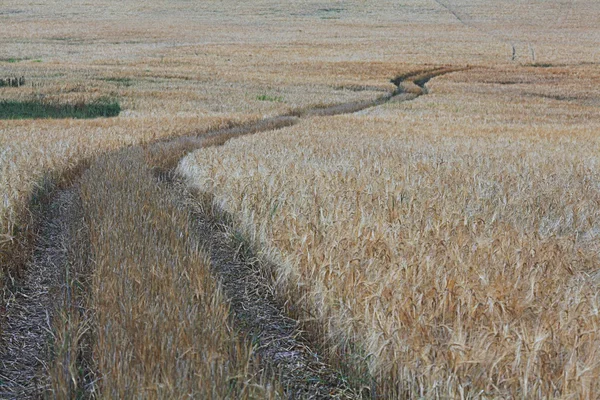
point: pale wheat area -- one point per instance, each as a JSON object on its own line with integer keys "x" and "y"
{"x": 151, "y": 110}
{"x": 448, "y": 245}
{"x": 452, "y": 240}
{"x": 175, "y": 67}
{"x": 170, "y": 80}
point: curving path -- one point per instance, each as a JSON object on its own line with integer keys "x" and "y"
{"x": 283, "y": 348}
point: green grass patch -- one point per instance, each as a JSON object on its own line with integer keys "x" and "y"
{"x": 14, "y": 60}
{"x": 119, "y": 81}
{"x": 542, "y": 65}
{"x": 330, "y": 12}
{"x": 266, "y": 97}
{"x": 35, "y": 109}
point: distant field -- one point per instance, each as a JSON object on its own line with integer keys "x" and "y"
{"x": 218, "y": 59}
{"x": 446, "y": 244}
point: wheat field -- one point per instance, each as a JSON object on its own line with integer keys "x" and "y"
{"x": 452, "y": 240}
{"x": 444, "y": 247}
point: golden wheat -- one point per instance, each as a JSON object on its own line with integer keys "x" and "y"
{"x": 160, "y": 326}
{"x": 453, "y": 239}
{"x": 423, "y": 232}
{"x": 159, "y": 66}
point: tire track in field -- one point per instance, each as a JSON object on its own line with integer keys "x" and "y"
{"x": 284, "y": 350}
{"x": 26, "y": 353}
{"x": 282, "y": 346}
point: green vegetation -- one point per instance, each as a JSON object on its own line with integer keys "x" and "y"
{"x": 13, "y": 60}
{"x": 35, "y": 109}
{"x": 266, "y": 97}
{"x": 119, "y": 81}
{"x": 542, "y": 65}
{"x": 330, "y": 12}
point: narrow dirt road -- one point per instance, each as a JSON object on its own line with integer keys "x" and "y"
{"x": 280, "y": 343}
{"x": 282, "y": 347}
{"x": 28, "y": 331}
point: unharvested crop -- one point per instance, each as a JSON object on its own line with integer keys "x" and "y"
{"x": 31, "y": 150}
{"x": 451, "y": 242}
{"x": 448, "y": 243}
{"x": 160, "y": 326}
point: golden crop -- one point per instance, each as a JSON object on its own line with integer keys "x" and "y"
{"x": 451, "y": 240}
{"x": 160, "y": 326}
{"x": 448, "y": 243}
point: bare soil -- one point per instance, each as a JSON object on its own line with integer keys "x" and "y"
{"x": 28, "y": 331}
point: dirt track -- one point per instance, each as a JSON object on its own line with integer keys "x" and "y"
{"x": 35, "y": 300}
{"x": 281, "y": 345}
